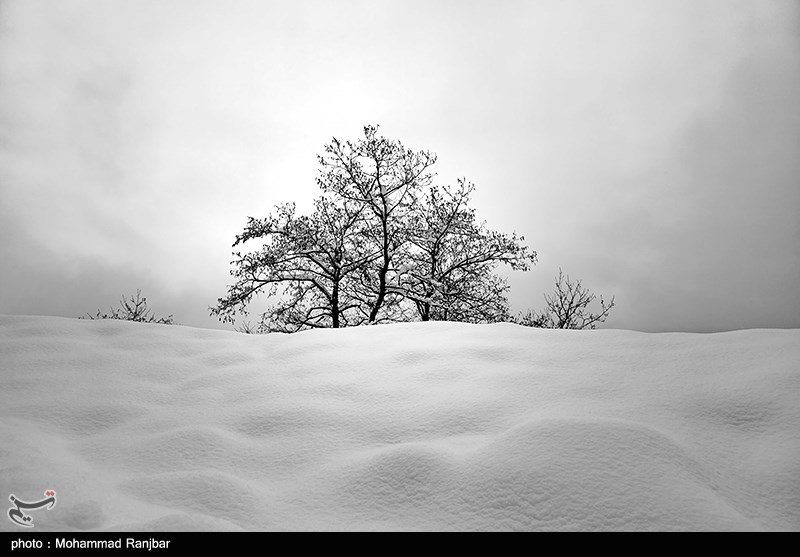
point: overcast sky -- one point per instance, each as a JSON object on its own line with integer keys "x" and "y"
{"x": 651, "y": 149}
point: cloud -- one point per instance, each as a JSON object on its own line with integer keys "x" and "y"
{"x": 649, "y": 151}
{"x": 713, "y": 237}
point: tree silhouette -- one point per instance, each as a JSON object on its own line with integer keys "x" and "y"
{"x": 385, "y": 179}
{"x": 449, "y": 273}
{"x": 311, "y": 262}
{"x": 382, "y": 245}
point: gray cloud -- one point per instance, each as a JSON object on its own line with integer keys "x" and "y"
{"x": 716, "y": 228}
{"x": 650, "y": 150}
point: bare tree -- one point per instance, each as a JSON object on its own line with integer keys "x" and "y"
{"x": 567, "y": 308}
{"x": 132, "y": 309}
{"x": 312, "y": 263}
{"x": 449, "y": 272}
{"x": 382, "y": 245}
{"x": 385, "y": 178}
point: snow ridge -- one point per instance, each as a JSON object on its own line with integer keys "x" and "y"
{"x": 422, "y": 426}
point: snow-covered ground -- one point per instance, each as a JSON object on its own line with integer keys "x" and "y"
{"x": 412, "y": 426}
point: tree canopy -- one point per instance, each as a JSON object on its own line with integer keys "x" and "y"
{"x": 384, "y": 244}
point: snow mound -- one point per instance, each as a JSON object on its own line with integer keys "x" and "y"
{"x": 413, "y": 426}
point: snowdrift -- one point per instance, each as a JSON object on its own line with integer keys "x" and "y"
{"x": 414, "y": 426}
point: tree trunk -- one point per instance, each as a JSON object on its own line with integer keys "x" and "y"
{"x": 335, "y": 302}
{"x": 426, "y": 314}
{"x": 381, "y": 275}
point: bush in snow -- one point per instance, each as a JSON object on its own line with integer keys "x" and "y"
{"x": 132, "y": 309}
{"x": 568, "y": 308}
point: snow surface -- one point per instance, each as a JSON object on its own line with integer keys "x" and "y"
{"x": 412, "y": 426}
